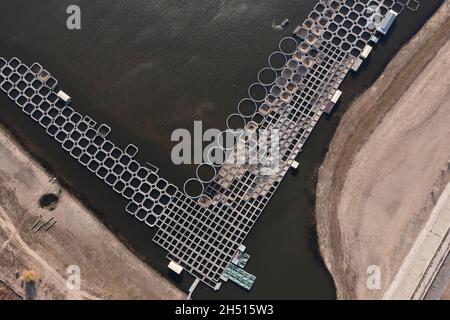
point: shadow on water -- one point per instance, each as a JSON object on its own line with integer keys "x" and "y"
{"x": 149, "y": 67}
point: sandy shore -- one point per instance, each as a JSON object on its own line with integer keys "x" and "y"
{"x": 387, "y": 164}
{"x": 108, "y": 269}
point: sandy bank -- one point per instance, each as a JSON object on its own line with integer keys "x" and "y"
{"x": 108, "y": 269}
{"x": 387, "y": 164}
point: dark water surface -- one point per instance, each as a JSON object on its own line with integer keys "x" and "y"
{"x": 147, "y": 68}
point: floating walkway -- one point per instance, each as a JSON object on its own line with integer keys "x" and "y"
{"x": 239, "y": 276}
{"x": 204, "y": 232}
{"x": 235, "y": 271}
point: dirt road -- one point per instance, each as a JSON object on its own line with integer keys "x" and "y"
{"x": 387, "y": 164}
{"x": 108, "y": 269}
{"x": 51, "y": 275}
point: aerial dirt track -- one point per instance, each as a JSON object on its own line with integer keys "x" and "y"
{"x": 387, "y": 164}
{"x": 108, "y": 269}
{"x": 14, "y": 239}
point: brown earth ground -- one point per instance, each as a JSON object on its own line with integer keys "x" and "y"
{"x": 387, "y": 164}
{"x": 6, "y": 293}
{"x": 446, "y": 295}
{"x": 108, "y": 269}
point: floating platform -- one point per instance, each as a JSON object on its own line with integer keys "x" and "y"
{"x": 357, "y": 64}
{"x": 239, "y": 276}
{"x": 241, "y": 259}
{"x": 387, "y": 22}
{"x": 366, "y": 52}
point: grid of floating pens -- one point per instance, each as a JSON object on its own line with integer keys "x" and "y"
{"x": 300, "y": 114}
{"x": 33, "y": 90}
{"x": 204, "y": 239}
{"x": 335, "y": 60}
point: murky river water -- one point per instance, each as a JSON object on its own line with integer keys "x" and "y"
{"x": 148, "y": 67}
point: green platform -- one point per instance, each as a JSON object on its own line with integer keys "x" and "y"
{"x": 239, "y": 276}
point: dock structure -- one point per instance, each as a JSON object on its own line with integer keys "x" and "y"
{"x": 387, "y": 22}
{"x": 203, "y": 232}
{"x": 239, "y": 276}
